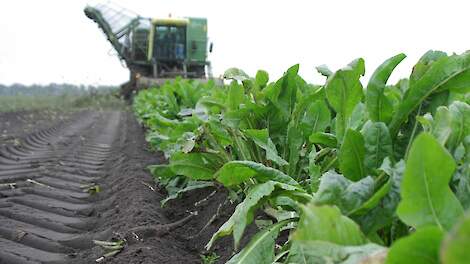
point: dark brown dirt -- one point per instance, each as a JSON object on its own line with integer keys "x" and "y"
{"x": 138, "y": 205}
{"x": 55, "y": 222}
{"x": 15, "y": 125}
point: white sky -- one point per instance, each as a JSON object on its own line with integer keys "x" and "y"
{"x": 52, "y": 41}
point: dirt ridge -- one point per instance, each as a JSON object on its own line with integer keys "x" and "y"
{"x": 46, "y": 215}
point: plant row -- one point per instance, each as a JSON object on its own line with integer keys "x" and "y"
{"x": 348, "y": 172}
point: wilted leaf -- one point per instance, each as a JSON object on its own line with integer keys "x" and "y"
{"x": 324, "y": 70}
{"x": 189, "y": 187}
{"x": 236, "y": 74}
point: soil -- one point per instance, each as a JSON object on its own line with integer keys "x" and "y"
{"x": 47, "y": 215}
{"x": 15, "y": 125}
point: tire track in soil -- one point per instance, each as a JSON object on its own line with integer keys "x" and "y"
{"x": 46, "y": 216}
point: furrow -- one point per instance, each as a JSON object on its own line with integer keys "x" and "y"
{"x": 48, "y": 208}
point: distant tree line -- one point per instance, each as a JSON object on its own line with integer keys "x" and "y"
{"x": 53, "y": 89}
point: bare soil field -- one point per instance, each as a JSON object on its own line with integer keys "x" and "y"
{"x": 49, "y": 213}
{"x": 14, "y": 125}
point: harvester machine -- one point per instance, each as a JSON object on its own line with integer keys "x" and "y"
{"x": 154, "y": 49}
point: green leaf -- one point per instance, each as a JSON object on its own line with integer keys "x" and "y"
{"x": 460, "y": 80}
{"x": 325, "y": 139}
{"x": 316, "y": 119}
{"x": 378, "y": 144}
{"x": 235, "y": 118}
{"x": 262, "y": 78}
{"x": 351, "y": 156}
{"x": 309, "y": 95}
{"x": 236, "y": 172}
{"x": 335, "y": 189}
{"x": 426, "y": 196}
{"x": 282, "y": 98}
{"x": 204, "y": 106}
{"x": 220, "y": 134}
{"x": 379, "y": 107}
{"x": 197, "y": 166}
{"x": 455, "y": 248}
{"x": 322, "y": 252}
{"x": 260, "y": 250}
{"x": 384, "y": 212}
{"x": 161, "y": 171}
{"x": 425, "y": 62}
{"x": 236, "y": 96}
{"x": 358, "y": 117}
{"x": 421, "y": 247}
{"x": 426, "y": 121}
{"x": 209, "y": 102}
{"x": 435, "y": 100}
{"x": 435, "y": 79}
{"x": 331, "y": 189}
{"x": 261, "y": 138}
{"x": 295, "y": 142}
{"x": 156, "y": 119}
{"x": 314, "y": 171}
{"x": 358, "y": 66}
{"x": 441, "y": 127}
{"x": 277, "y": 123}
{"x": 459, "y": 84}
{"x": 326, "y": 223}
{"x": 236, "y": 74}
{"x": 344, "y": 92}
{"x": 462, "y": 178}
{"x": 288, "y": 90}
{"x": 460, "y": 123}
{"x": 374, "y": 200}
{"x": 244, "y": 212}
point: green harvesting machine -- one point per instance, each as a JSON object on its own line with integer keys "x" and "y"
{"x": 154, "y": 49}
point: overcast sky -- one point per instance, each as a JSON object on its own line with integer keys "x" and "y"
{"x": 52, "y": 41}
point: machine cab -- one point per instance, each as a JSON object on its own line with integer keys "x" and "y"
{"x": 178, "y": 46}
